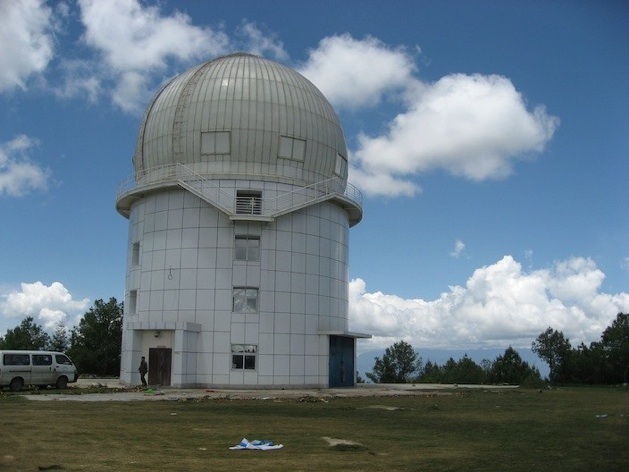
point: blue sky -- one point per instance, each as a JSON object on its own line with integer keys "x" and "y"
{"x": 490, "y": 140}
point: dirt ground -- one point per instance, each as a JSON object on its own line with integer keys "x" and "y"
{"x": 167, "y": 393}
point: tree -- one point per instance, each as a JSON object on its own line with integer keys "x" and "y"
{"x": 95, "y": 344}
{"x": 615, "y": 344}
{"x": 465, "y": 370}
{"x": 509, "y": 368}
{"x": 589, "y": 365}
{"x": 554, "y": 348}
{"x": 431, "y": 373}
{"x": 27, "y": 335}
{"x": 398, "y": 365}
{"x": 59, "y": 340}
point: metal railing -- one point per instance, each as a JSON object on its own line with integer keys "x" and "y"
{"x": 205, "y": 187}
{"x": 147, "y": 177}
{"x": 248, "y": 205}
{"x": 211, "y": 190}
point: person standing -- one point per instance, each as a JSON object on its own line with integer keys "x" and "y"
{"x": 144, "y": 368}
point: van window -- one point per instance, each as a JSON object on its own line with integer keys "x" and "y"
{"x": 42, "y": 359}
{"x": 17, "y": 359}
{"x": 61, "y": 359}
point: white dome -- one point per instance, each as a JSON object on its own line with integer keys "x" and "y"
{"x": 242, "y": 116}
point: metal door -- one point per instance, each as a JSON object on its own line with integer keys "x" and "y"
{"x": 159, "y": 366}
{"x": 341, "y": 362}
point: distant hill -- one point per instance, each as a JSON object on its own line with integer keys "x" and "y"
{"x": 366, "y": 360}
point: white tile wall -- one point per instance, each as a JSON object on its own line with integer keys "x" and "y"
{"x": 302, "y": 278}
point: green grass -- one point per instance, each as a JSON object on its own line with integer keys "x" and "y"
{"x": 517, "y": 430}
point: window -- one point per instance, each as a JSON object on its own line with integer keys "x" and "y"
{"x": 245, "y": 300}
{"x": 247, "y": 248}
{"x": 135, "y": 254}
{"x": 215, "y": 142}
{"x": 17, "y": 359}
{"x": 248, "y": 202}
{"x": 42, "y": 359}
{"x": 244, "y": 356}
{"x": 341, "y": 166}
{"x": 63, "y": 360}
{"x": 133, "y": 302}
{"x": 292, "y": 148}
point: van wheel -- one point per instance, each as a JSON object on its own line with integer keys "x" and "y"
{"x": 16, "y": 384}
{"x": 62, "y": 383}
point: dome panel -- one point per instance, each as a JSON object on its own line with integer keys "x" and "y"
{"x": 255, "y": 101}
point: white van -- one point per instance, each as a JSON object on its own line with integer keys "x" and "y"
{"x": 42, "y": 368}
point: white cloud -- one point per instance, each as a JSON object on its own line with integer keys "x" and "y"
{"x": 474, "y": 127}
{"x": 459, "y": 247}
{"x": 46, "y": 304}
{"x": 355, "y": 73}
{"x": 381, "y": 184}
{"x": 139, "y": 46}
{"x": 18, "y": 174}
{"x": 79, "y": 80}
{"x": 136, "y": 43}
{"x": 259, "y": 43}
{"x": 500, "y": 305}
{"x": 26, "y": 35}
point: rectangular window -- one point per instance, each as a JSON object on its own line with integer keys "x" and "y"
{"x": 215, "y": 142}
{"x": 17, "y": 359}
{"x": 245, "y": 300}
{"x": 135, "y": 254}
{"x": 244, "y": 356}
{"x": 248, "y": 202}
{"x": 247, "y": 248}
{"x": 292, "y": 148}
{"x": 42, "y": 359}
{"x": 133, "y": 302}
{"x": 341, "y": 166}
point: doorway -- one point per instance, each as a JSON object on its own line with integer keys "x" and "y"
{"x": 159, "y": 366}
{"x": 341, "y": 362}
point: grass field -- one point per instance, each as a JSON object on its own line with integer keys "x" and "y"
{"x": 566, "y": 429}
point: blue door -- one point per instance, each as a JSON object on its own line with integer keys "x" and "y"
{"x": 341, "y": 361}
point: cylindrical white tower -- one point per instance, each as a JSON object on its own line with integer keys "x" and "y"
{"x": 239, "y": 214}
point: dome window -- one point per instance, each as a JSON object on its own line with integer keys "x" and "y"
{"x": 292, "y": 148}
{"x": 215, "y": 142}
{"x": 340, "y": 168}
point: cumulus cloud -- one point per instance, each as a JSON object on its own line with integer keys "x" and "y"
{"x": 139, "y": 46}
{"x": 48, "y": 305}
{"x": 136, "y": 43}
{"x": 19, "y": 175}
{"x": 472, "y": 126}
{"x": 26, "y": 35}
{"x": 500, "y": 305}
{"x": 355, "y": 73}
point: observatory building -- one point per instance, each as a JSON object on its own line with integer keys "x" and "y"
{"x": 239, "y": 214}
